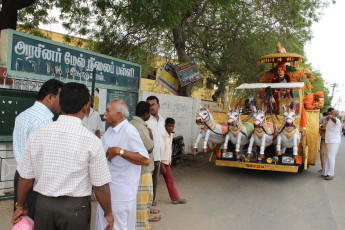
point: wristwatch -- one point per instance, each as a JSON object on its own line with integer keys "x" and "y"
{"x": 121, "y": 152}
{"x": 19, "y": 207}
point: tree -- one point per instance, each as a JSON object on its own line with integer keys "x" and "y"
{"x": 226, "y": 36}
{"x": 9, "y": 12}
{"x": 231, "y": 39}
{"x": 172, "y": 19}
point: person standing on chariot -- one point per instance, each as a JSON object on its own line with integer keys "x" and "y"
{"x": 281, "y": 76}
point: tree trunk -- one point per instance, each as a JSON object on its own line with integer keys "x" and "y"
{"x": 179, "y": 43}
{"x": 220, "y": 92}
{"x": 9, "y": 12}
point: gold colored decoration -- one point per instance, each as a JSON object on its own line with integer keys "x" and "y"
{"x": 237, "y": 131}
{"x": 313, "y": 135}
{"x": 270, "y": 167}
{"x": 258, "y": 133}
{"x": 221, "y": 116}
{"x": 280, "y": 57}
{"x": 289, "y": 133}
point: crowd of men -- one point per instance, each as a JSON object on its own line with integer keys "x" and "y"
{"x": 60, "y": 163}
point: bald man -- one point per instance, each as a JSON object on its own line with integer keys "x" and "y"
{"x": 126, "y": 153}
{"x": 332, "y": 140}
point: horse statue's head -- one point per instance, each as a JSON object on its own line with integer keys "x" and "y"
{"x": 259, "y": 117}
{"x": 204, "y": 114}
{"x": 233, "y": 116}
{"x": 289, "y": 117}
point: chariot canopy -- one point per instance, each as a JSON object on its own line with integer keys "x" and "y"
{"x": 281, "y": 56}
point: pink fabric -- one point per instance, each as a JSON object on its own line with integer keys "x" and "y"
{"x": 25, "y": 223}
{"x": 169, "y": 181}
{"x": 270, "y": 125}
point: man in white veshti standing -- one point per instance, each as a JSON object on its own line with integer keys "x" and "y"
{"x": 126, "y": 153}
{"x": 332, "y": 140}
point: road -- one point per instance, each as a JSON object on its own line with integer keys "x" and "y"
{"x": 230, "y": 198}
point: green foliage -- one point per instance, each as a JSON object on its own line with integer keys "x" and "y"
{"x": 224, "y": 36}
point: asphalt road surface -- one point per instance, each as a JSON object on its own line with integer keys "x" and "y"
{"x": 230, "y": 198}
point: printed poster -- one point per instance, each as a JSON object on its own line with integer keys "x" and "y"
{"x": 188, "y": 73}
{"x": 168, "y": 78}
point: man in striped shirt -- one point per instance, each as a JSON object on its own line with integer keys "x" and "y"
{"x": 67, "y": 161}
{"x": 27, "y": 122}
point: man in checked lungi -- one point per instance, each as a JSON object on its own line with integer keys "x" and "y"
{"x": 145, "y": 189}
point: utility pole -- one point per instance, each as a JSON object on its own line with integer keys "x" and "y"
{"x": 338, "y": 102}
{"x": 335, "y": 85}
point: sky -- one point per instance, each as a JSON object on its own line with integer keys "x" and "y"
{"x": 326, "y": 50}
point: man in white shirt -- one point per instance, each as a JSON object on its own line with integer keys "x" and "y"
{"x": 66, "y": 160}
{"x": 92, "y": 121}
{"x": 323, "y": 123}
{"x": 126, "y": 153}
{"x": 157, "y": 125}
{"x": 332, "y": 140}
{"x": 166, "y": 163}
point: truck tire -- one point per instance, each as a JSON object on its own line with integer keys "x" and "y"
{"x": 301, "y": 168}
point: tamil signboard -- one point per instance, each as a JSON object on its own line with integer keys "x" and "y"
{"x": 32, "y": 57}
{"x": 27, "y": 61}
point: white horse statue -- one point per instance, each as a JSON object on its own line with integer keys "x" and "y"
{"x": 214, "y": 132}
{"x": 289, "y": 136}
{"x": 239, "y": 133}
{"x": 263, "y": 133}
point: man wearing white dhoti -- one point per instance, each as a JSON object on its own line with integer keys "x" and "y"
{"x": 126, "y": 153}
{"x": 332, "y": 140}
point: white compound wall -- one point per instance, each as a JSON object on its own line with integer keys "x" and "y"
{"x": 184, "y": 111}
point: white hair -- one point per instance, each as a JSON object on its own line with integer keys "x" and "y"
{"x": 122, "y": 107}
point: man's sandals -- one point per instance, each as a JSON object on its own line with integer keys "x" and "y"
{"x": 179, "y": 201}
{"x": 154, "y": 211}
{"x": 154, "y": 218}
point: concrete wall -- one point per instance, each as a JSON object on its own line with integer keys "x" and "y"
{"x": 183, "y": 110}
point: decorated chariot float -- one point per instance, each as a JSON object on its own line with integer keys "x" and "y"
{"x": 265, "y": 125}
